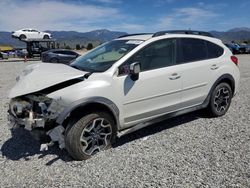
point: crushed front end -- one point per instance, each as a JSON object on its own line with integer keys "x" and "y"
{"x": 37, "y": 113}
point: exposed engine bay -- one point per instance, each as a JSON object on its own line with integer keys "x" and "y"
{"x": 37, "y": 113}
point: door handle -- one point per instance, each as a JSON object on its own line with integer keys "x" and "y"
{"x": 174, "y": 76}
{"x": 214, "y": 67}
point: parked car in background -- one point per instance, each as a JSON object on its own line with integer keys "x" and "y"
{"x": 248, "y": 49}
{"x": 242, "y": 49}
{"x": 59, "y": 56}
{"x": 21, "y": 53}
{"x": 3, "y": 55}
{"x": 235, "y": 48}
{"x": 30, "y": 34}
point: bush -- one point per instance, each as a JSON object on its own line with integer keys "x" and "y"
{"x": 89, "y": 46}
{"x": 67, "y": 47}
{"x": 78, "y": 47}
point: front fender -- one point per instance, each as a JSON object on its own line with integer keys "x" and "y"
{"x": 83, "y": 102}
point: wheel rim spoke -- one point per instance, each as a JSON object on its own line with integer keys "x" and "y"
{"x": 96, "y": 136}
{"x": 221, "y": 100}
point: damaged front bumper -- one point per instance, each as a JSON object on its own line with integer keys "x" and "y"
{"x": 37, "y": 113}
{"x": 28, "y": 123}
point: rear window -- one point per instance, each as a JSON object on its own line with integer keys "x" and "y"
{"x": 214, "y": 50}
{"x": 191, "y": 49}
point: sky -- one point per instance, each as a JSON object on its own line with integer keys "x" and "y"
{"x": 131, "y": 16}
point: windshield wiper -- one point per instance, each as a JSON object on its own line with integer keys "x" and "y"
{"x": 79, "y": 68}
{"x": 76, "y": 67}
{"x": 87, "y": 75}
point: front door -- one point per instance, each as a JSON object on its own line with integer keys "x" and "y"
{"x": 158, "y": 89}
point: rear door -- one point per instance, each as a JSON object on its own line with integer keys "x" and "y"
{"x": 198, "y": 64}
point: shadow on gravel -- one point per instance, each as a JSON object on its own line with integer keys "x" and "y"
{"x": 158, "y": 127}
{"x": 23, "y": 146}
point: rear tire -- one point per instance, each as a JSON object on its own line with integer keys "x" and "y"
{"x": 90, "y": 134}
{"x": 21, "y": 37}
{"x": 220, "y": 100}
{"x": 54, "y": 60}
{"x": 46, "y": 37}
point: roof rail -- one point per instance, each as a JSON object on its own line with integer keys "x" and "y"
{"x": 128, "y": 35}
{"x": 191, "y": 32}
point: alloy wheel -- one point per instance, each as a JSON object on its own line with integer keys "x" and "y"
{"x": 221, "y": 100}
{"x": 96, "y": 136}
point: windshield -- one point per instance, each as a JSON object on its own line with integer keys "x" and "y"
{"x": 103, "y": 57}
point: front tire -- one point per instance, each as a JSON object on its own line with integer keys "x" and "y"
{"x": 220, "y": 100}
{"x": 92, "y": 133}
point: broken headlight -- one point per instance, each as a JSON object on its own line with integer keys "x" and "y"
{"x": 20, "y": 108}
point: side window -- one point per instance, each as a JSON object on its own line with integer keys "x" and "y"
{"x": 214, "y": 50}
{"x": 63, "y": 52}
{"x": 156, "y": 55}
{"x": 190, "y": 49}
{"x": 70, "y": 53}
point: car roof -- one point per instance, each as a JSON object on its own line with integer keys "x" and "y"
{"x": 136, "y": 37}
{"x": 177, "y": 33}
{"x": 60, "y": 50}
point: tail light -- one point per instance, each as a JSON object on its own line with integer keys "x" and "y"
{"x": 235, "y": 60}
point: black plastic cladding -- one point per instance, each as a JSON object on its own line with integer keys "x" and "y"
{"x": 203, "y": 33}
{"x": 160, "y": 33}
{"x": 134, "y": 34}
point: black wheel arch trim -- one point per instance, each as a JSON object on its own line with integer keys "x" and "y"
{"x": 219, "y": 80}
{"x": 88, "y": 101}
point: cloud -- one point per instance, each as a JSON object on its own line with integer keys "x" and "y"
{"x": 160, "y": 3}
{"x": 191, "y": 15}
{"x": 53, "y": 15}
{"x": 129, "y": 27}
{"x": 99, "y": 14}
{"x": 108, "y": 1}
{"x": 185, "y": 18}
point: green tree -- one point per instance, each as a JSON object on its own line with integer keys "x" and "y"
{"x": 78, "y": 47}
{"x": 67, "y": 47}
{"x": 89, "y": 46}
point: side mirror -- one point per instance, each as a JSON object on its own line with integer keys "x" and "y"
{"x": 135, "y": 69}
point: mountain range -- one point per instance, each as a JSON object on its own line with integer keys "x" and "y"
{"x": 71, "y": 38}
{"x": 67, "y": 38}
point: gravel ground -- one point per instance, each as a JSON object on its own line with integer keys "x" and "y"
{"x": 188, "y": 151}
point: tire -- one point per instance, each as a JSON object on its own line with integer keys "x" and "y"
{"x": 90, "y": 134}
{"x": 220, "y": 100}
{"x": 45, "y": 37}
{"x": 21, "y": 37}
{"x": 54, "y": 60}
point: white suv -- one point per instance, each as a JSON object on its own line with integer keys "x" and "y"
{"x": 124, "y": 85}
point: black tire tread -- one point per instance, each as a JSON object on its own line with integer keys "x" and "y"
{"x": 210, "y": 109}
{"x": 74, "y": 131}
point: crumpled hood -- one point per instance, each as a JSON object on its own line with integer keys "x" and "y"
{"x": 43, "y": 75}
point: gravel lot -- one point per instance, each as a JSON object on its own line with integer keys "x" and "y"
{"x": 188, "y": 151}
